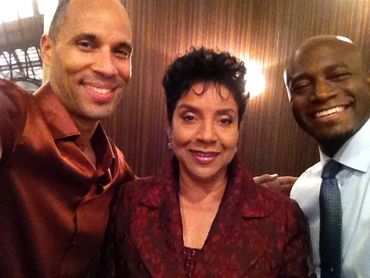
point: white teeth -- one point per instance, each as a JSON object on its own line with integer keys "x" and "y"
{"x": 205, "y": 154}
{"x": 329, "y": 111}
{"x": 98, "y": 90}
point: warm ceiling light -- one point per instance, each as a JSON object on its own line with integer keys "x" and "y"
{"x": 255, "y": 80}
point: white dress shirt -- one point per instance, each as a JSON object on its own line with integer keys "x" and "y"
{"x": 354, "y": 183}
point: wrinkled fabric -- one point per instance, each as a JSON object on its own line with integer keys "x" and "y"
{"x": 256, "y": 232}
{"x": 54, "y": 204}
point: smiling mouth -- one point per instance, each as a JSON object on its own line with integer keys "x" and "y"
{"x": 329, "y": 112}
{"x": 98, "y": 90}
{"x": 204, "y": 157}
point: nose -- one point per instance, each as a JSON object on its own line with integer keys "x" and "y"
{"x": 104, "y": 63}
{"x": 323, "y": 91}
{"x": 207, "y": 132}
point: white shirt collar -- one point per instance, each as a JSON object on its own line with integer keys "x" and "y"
{"x": 355, "y": 152}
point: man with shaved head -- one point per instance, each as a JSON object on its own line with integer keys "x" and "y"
{"x": 329, "y": 92}
{"x": 58, "y": 168}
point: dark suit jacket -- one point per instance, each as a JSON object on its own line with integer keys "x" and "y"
{"x": 256, "y": 232}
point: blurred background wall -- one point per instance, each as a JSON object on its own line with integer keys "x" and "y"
{"x": 263, "y": 31}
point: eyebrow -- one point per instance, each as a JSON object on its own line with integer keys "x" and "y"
{"x": 93, "y": 37}
{"x": 218, "y": 112}
{"x": 333, "y": 67}
{"x": 85, "y": 36}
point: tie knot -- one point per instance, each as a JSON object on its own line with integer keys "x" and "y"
{"x": 330, "y": 170}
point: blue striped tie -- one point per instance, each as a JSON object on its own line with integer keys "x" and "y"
{"x": 330, "y": 222}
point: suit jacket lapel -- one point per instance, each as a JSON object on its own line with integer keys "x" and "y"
{"x": 160, "y": 207}
{"x": 241, "y": 205}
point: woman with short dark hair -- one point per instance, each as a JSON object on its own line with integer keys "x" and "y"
{"x": 202, "y": 215}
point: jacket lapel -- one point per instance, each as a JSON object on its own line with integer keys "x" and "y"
{"x": 160, "y": 207}
{"x": 227, "y": 250}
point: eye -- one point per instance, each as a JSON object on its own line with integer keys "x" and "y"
{"x": 122, "y": 54}
{"x": 339, "y": 76}
{"x": 188, "y": 117}
{"x": 299, "y": 86}
{"x": 226, "y": 120}
{"x": 122, "y": 51}
{"x": 85, "y": 45}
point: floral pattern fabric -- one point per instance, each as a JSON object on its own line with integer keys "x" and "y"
{"x": 256, "y": 232}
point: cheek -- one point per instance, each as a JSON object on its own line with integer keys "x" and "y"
{"x": 124, "y": 69}
{"x": 298, "y": 107}
{"x": 181, "y": 136}
{"x": 117, "y": 99}
{"x": 234, "y": 140}
{"x": 76, "y": 65}
{"x": 231, "y": 141}
{"x": 72, "y": 61}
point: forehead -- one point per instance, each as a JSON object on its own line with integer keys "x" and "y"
{"x": 209, "y": 96}
{"x": 317, "y": 58}
{"x": 100, "y": 17}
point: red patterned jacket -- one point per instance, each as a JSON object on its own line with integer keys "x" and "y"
{"x": 256, "y": 232}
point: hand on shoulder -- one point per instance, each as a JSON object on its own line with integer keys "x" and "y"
{"x": 281, "y": 184}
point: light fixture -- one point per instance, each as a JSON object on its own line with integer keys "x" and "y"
{"x": 255, "y": 80}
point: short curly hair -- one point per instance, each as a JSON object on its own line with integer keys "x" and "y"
{"x": 207, "y": 65}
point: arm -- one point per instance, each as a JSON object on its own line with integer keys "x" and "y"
{"x": 279, "y": 184}
{"x": 13, "y": 102}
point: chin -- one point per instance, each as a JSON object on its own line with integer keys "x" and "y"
{"x": 100, "y": 114}
{"x": 339, "y": 136}
{"x": 208, "y": 175}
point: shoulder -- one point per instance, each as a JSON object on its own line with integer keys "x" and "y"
{"x": 12, "y": 96}
{"x": 122, "y": 168}
{"x": 261, "y": 201}
{"x": 311, "y": 171}
{"x": 14, "y": 106}
{"x": 277, "y": 202}
{"x": 307, "y": 183}
{"x": 132, "y": 192}
{"x": 280, "y": 210}
{"x": 264, "y": 203}
{"x": 11, "y": 89}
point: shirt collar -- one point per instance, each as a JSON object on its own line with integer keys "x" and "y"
{"x": 56, "y": 115}
{"x": 62, "y": 125}
{"x": 355, "y": 152}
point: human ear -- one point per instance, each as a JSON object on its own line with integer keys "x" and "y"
{"x": 46, "y": 47}
{"x": 169, "y": 133}
{"x": 169, "y": 136}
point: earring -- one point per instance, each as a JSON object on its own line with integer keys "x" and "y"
{"x": 169, "y": 145}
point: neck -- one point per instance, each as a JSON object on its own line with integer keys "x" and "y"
{"x": 331, "y": 145}
{"x": 195, "y": 191}
{"x": 329, "y": 149}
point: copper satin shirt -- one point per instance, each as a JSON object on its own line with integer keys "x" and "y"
{"x": 54, "y": 203}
